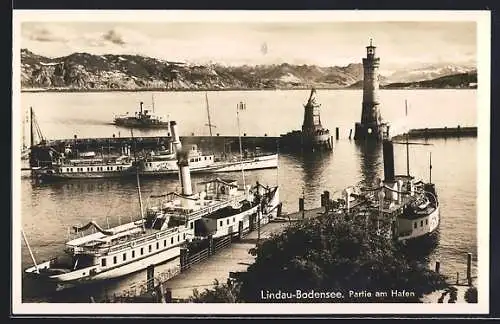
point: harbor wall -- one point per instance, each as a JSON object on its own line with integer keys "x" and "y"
{"x": 219, "y": 143}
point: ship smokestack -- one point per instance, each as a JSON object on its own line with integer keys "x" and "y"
{"x": 175, "y": 136}
{"x": 388, "y": 153}
{"x": 141, "y": 106}
{"x": 184, "y": 173}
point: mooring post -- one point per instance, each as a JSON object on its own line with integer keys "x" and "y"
{"x": 150, "y": 277}
{"x": 301, "y": 206}
{"x": 168, "y": 295}
{"x": 337, "y": 133}
{"x": 240, "y": 230}
{"x": 259, "y": 214}
{"x": 210, "y": 244}
{"x": 183, "y": 258}
{"x": 326, "y": 197}
{"x": 437, "y": 266}
{"x": 469, "y": 270}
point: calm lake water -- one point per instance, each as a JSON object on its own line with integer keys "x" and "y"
{"x": 48, "y": 210}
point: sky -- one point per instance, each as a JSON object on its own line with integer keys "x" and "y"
{"x": 237, "y": 43}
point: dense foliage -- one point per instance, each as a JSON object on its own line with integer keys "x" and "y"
{"x": 220, "y": 293}
{"x": 332, "y": 254}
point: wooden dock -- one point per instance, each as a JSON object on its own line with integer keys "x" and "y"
{"x": 229, "y": 257}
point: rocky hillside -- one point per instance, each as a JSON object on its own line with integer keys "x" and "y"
{"x": 82, "y": 71}
{"x": 87, "y": 72}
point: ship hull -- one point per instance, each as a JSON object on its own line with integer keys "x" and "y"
{"x": 131, "y": 123}
{"x": 265, "y": 162}
{"x": 46, "y": 176}
{"x": 424, "y": 232}
{"x": 84, "y": 275}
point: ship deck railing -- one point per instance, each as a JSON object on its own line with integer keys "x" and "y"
{"x": 138, "y": 238}
{"x": 190, "y": 215}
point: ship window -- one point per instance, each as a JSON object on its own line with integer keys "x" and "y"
{"x": 178, "y": 238}
{"x": 103, "y": 262}
{"x": 191, "y": 160}
{"x": 150, "y": 248}
{"x": 426, "y": 221}
{"x": 171, "y": 240}
{"x": 142, "y": 251}
{"x": 191, "y": 225}
{"x": 91, "y": 169}
{"x": 114, "y": 260}
{"x": 157, "y": 245}
{"x": 205, "y": 157}
{"x": 220, "y": 223}
{"x": 87, "y": 169}
{"x": 233, "y": 219}
{"x": 133, "y": 253}
{"x": 164, "y": 243}
{"x": 184, "y": 236}
{"x": 415, "y": 225}
{"x": 227, "y": 221}
{"x": 124, "y": 256}
{"x": 421, "y": 223}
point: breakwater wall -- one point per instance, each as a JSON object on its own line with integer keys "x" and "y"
{"x": 441, "y": 132}
{"x": 218, "y": 143}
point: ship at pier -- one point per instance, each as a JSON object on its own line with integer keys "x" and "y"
{"x": 220, "y": 208}
{"x": 401, "y": 207}
{"x": 85, "y": 165}
{"x": 164, "y": 162}
{"x": 313, "y": 137}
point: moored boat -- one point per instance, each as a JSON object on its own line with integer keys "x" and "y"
{"x": 160, "y": 233}
{"x": 86, "y": 165}
{"x": 400, "y": 206}
{"x": 164, "y": 161}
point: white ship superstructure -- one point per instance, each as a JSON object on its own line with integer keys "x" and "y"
{"x": 160, "y": 233}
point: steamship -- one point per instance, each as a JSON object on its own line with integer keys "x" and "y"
{"x": 400, "y": 206}
{"x": 219, "y": 209}
{"x": 164, "y": 161}
{"x": 141, "y": 119}
{"x": 85, "y": 165}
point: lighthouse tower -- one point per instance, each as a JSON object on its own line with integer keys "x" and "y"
{"x": 371, "y": 125}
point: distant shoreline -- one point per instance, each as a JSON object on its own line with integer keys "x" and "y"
{"x": 65, "y": 90}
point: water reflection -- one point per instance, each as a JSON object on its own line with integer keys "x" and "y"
{"x": 371, "y": 161}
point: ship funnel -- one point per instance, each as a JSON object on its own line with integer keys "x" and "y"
{"x": 388, "y": 153}
{"x": 141, "y": 103}
{"x": 175, "y": 136}
{"x": 184, "y": 172}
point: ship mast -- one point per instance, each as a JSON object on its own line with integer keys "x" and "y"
{"x": 153, "y": 102}
{"x": 138, "y": 182}
{"x": 140, "y": 199}
{"x": 32, "y": 141}
{"x": 31, "y": 252}
{"x": 430, "y": 167}
{"x": 407, "y": 144}
{"x": 209, "y": 124}
{"x": 240, "y": 106}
